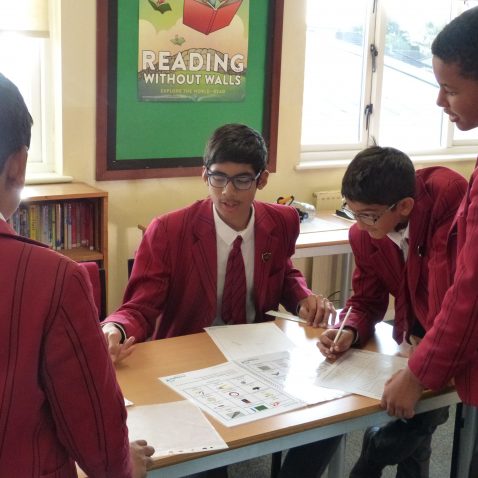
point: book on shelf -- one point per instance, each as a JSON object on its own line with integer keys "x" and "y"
{"x": 61, "y": 225}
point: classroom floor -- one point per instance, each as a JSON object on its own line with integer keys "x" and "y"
{"x": 439, "y": 465}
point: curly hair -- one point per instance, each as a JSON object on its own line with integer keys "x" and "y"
{"x": 458, "y": 43}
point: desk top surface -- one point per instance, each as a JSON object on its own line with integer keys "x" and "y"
{"x": 138, "y": 377}
{"x": 323, "y": 229}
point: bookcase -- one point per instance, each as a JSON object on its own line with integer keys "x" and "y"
{"x": 71, "y": 218}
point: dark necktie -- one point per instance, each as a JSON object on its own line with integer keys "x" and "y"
{"x": 234, "y": 293}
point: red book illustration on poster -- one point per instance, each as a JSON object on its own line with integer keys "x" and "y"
{"x": 208, "y": 16}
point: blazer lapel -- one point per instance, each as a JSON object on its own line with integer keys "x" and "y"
{"x": 265, "y": 249}
{"x": 205, "y": 252}
{"x": 419, "y": 222}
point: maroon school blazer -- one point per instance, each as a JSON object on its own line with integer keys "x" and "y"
{"x": 172, "y": 290}
{"x": 59, "y": 400}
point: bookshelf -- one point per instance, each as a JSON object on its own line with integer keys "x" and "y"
{"x": 71, "y": 217}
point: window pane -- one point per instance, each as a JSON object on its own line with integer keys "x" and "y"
{"x": 409, "y": 117}
{"x": 333, "y": 79}
{"x": 20, "y": 62}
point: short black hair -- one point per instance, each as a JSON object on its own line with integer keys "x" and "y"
{"x": 236, "y": 143}
{"x": 458, "y": 43}
{"x": 15, "y": 121}
{"x": 379, "y": 176}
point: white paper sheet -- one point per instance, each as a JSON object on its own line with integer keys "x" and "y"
{"x": 173, "y": 428}
{"x": 295, "y": 372}
{"x": 232, "y": 394}
{"x": 248, "y": 340}
{"x": 360, "y": 371}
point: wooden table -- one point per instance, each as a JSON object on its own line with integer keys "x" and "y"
{"x": 138, "y": 377}
{"x": 325, "y": 235}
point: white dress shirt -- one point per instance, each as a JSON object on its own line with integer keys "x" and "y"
{"x": 400, "y": 238}
{"x": 225, "y": 236}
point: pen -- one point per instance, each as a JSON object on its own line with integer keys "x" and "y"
{"x": 339, "y": 333}
{"x": 282, "y": 315}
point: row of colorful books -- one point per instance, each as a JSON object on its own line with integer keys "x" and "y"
{"x": 61, "y": 225}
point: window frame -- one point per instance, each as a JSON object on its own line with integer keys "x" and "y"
{"x": 335, "y": 155}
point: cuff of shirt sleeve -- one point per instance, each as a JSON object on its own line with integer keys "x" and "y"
{"x": 119, "y": 327}
{"x": 356, "y": 334}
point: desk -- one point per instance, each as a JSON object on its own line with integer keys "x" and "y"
{"x": 325, "y": 235}
{"x": 138, "y": 377}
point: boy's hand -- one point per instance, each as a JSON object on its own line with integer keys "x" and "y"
{"x": 401, "y": 393}
{"x": 140, "y": 453}
{"x": 117, "y": 350}
{"x": 332, "y": 351}
{"x": 317, "y": 310}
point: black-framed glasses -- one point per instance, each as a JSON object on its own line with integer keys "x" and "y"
{"x": 242, "y": 182}
{"x": 366, "y": 218}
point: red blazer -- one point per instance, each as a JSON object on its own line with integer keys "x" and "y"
{"x": 59, "y": 400}
{"x": 172, "y": 290}
{"x": 419, "y": 284}
{"x": 450, "y": 348}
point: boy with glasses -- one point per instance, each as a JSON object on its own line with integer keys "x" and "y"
{"x": 223, "y": 260}
{"x": 399, "y": 244}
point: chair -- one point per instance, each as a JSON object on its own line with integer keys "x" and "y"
{"x": 98, "y": 282}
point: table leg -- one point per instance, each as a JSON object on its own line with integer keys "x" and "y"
{"x": 467, "y": 430}
{"x": 337, "y": 463}
{"x": 346, "y": 278}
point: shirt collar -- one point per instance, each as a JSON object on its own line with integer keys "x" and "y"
{"x": 227, "y": 233}
{"x": 2, "y": 217}
{"x": 399, "y": 236}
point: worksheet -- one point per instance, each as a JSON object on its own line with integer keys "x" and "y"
{"x": 248, "y": 340}
{"x": 360, "y": 371}
{"x": 173, "y": 428}
{"x": 232, "y": 394}
{"x": 295, "y": 372}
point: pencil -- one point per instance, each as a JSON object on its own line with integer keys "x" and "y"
{"x": 282, "y": 315}
{"x": 339, "y": 333}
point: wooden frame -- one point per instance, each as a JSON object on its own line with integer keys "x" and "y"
{"x": 108, "y": 167}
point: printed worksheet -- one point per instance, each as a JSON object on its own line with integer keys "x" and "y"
{"x": 295, "y": 372}
{"x": 248, "y": 340}
{"x": 360, "y": 371}
{"x": 232, "y": 394}
{"x": 173, "y": 428}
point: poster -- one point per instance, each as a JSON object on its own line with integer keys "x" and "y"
{"x": 193, "y": 50}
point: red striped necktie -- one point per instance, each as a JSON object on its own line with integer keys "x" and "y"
{"x": 234, "y": 293}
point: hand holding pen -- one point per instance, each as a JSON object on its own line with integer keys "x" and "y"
{"x": 334, "y": 342}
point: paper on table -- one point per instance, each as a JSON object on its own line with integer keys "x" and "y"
{"x": 360, "y": 371}
{"x": 248, "y": 340}
{"x": 295, "y": 371}
{"x": 232, "y": 394}
{"x": 173, "y": 428}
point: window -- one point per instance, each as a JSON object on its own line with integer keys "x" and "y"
{"x": 25, "y": 54}
{"x": 368, "y": 76}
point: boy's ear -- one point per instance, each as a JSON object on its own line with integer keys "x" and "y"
{"x": 15, "y": 169}
{"x": 261, "y": 183}
{"x": 204, "y": 174}
{"x": 405, "y": 206}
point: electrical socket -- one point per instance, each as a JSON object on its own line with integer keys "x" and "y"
{"x": 328, "y": 200}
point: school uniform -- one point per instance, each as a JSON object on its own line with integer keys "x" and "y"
{"x": 176, "y": 286}
{"x": 59, "y": 400}
{"x": 173, "y": 288}
{"x": 412, "y": 266}
{"x": 450, "y": 348}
